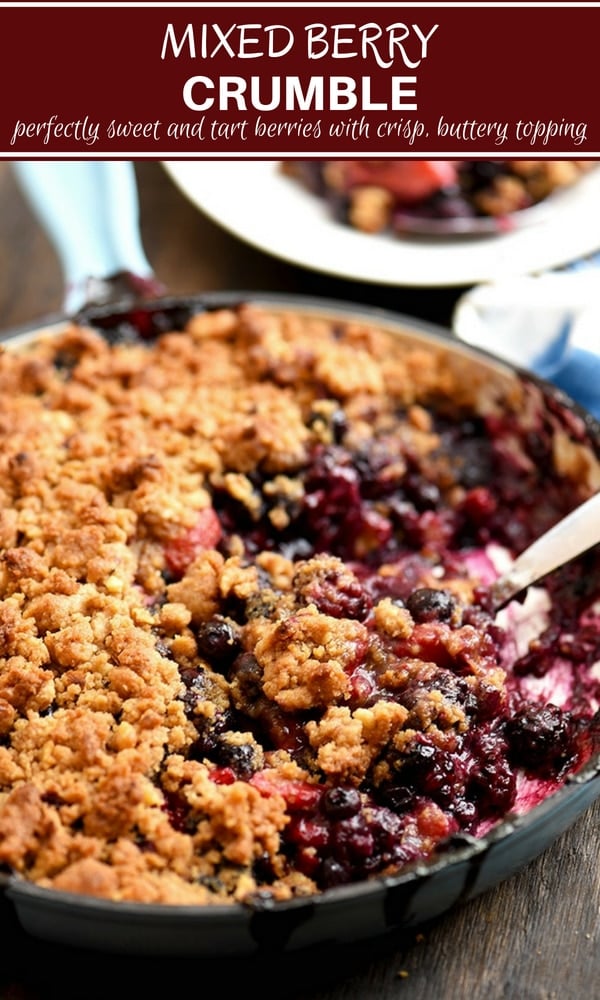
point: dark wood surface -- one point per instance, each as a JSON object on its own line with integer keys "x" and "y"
{"x": 534, "y": 937}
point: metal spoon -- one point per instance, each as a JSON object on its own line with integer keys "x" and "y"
{"x": 481, "y": 225}
{"x": 411, "y": 223}
{"x": 574, "y": 534}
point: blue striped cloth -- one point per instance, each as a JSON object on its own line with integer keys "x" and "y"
{"x": 546, "y": 323}
{"x": 574, "y": 368}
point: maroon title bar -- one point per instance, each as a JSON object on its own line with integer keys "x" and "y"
{"x": 204, "y": 81}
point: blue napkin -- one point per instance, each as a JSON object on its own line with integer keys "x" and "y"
{"x": 572, "y": 359}
{"x": 547, "y": 323}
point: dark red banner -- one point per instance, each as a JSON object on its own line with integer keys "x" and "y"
{"x": 201, "y": 81}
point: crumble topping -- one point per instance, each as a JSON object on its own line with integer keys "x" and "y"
{"x": 245, "y": 650}
{"x": 375, "y": 196}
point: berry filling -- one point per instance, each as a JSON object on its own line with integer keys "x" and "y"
{"x": 384, "y": 195}
{"x": 254, "y": 656}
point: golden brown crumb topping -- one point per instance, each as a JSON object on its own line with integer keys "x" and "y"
{"x": 183, "y": 665}
{"x": 375, "y": 196}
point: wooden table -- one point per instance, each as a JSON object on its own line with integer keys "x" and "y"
{"x": 535, "y": 937}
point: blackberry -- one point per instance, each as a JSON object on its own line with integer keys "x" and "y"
{"x": 542, "y": 739}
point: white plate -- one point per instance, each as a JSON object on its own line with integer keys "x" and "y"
{"x": 254, "y": 201}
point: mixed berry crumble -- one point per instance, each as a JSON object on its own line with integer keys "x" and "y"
{"x": 245, "y": 647}
{"x": 385, "y": 195}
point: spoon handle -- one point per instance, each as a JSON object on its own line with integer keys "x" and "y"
{"x": 90, "y": 211}
{"x": 571, "y": 536}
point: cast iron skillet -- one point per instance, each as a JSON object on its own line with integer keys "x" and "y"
{"x": 343, "y": 914}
